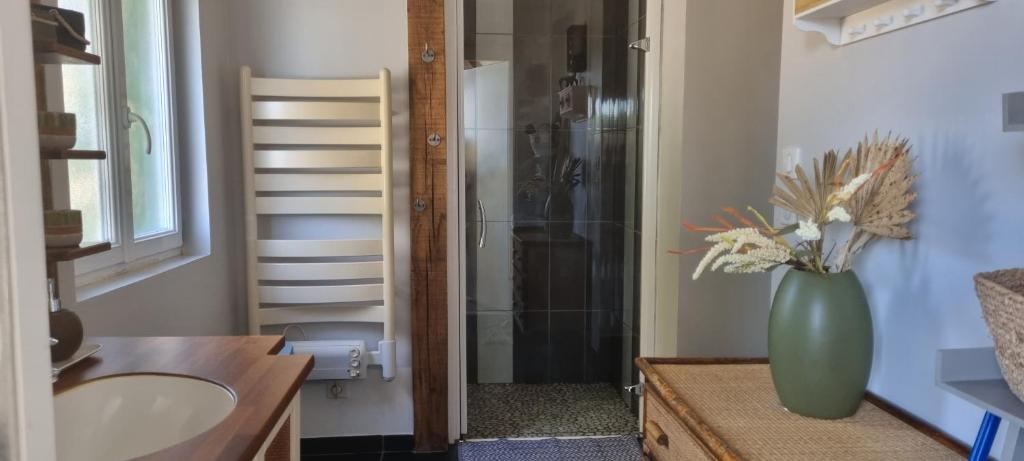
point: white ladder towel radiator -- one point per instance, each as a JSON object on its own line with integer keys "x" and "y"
{"x": 319, "y": 147}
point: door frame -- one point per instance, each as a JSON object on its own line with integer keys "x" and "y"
{"x": 456, "y": 227}
{"x": 24, "y": 345}
{"x": 654, "y": 309}
{"x": 656, "y": 305}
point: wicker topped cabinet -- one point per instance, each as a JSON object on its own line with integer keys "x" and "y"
{"x": 707, "y": 409}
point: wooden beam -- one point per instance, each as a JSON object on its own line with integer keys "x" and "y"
{"x": 428, "y": 179}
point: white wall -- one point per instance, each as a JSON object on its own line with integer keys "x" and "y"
{"x": 310, "y": 39}
{"x": 938, "y": 83}
{"x": 725, "y": 134}
{"x": 332, "y": 39}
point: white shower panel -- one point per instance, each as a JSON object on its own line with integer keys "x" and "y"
{"x": 488, "y": 143}
{"x": 487, "y": 92}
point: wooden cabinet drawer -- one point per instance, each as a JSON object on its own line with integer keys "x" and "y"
{"x": 665, "y": 437}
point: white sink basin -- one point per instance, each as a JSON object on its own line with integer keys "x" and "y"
{"x": 124, "y": 417}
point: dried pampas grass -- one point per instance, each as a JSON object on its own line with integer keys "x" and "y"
{"x": 810, "y": 200}
{"x": 869, "y": 187}
{"x": 880, "y": 209}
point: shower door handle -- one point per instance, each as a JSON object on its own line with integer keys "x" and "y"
{"x": 483, "y": 224}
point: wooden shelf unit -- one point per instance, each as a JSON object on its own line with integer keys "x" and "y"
{"x": 54, "y": 53}
{"x": 75, "y": 154}
{"x": 73, "y": 253}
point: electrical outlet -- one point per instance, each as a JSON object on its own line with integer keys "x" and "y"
{"x": 337, "y": 390}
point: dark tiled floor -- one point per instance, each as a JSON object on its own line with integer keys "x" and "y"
{"x": 621, "y": 448}
{"x": 368, "y": 448}
{"x": 384, "y": 457}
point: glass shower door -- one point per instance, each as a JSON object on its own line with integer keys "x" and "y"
{"x": 551, "y": 121}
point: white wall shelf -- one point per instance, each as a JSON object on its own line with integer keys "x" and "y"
{"x": 973, "y": 374}
{"x": 847, "y": 21}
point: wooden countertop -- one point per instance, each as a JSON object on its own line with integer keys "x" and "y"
{"x": 263, "y": 383}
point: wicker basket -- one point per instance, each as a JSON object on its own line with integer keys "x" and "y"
{"x": 1002, "y": 301}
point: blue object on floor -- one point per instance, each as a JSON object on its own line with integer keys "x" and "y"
{"x": 620, "y": 448}
{"x": 986, "y": 434}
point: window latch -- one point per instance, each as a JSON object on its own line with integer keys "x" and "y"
{"x": 134, "y": 117}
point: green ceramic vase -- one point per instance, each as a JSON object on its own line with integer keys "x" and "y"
{"x": 820, "y": 343}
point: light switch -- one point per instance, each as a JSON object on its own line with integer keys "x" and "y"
{"x": 1013, "y": 111}
{"x": 790, "y": 158}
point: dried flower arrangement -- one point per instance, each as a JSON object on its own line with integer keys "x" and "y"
{"x": 567, "y": 175}
{"x": 870, "y": 188}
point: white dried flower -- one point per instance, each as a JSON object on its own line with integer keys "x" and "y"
{"x": 754, "y": 260}
{"x": 742, "y": 235}
{"x": 851, "y": 187}
{"x": 838, "y": 214}
{"x": 712, "y": 253}
{"x": 755, "y": 239}
{"x": 749, "y": 267}
{"x": 808, "y": 231}
{"x": 749, "y": 251}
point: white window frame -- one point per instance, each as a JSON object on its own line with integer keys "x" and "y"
{"x": 128, "y": 253}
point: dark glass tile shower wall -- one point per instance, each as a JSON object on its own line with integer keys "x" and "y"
{"x": 568, "y": 256}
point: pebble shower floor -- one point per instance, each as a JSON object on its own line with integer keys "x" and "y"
{"x": 547, "y": 410}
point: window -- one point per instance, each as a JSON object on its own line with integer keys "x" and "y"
{"x": 125, "y": 107}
